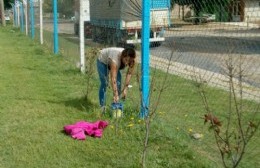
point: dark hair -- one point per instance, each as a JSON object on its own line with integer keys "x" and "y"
{"x": 128, "y": 52}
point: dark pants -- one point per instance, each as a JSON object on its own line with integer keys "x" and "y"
{"x": 103, "y": 73}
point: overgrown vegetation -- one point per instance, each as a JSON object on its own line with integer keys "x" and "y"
{"x": 241, "y": 121}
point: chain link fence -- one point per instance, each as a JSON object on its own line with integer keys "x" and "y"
{"x": 204, "y": 57}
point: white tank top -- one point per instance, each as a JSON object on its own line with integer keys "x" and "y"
{"x": 110, "y": 54}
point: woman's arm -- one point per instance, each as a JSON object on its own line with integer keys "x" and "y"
{"x": 127, "y": 81}
{"x": 113, "y": 76}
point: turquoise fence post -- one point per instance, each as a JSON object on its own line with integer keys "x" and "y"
{"x": 32, "y": 18}
{"x": 22, "y": 17}
{"x": 55, "y": 27}
{"x": 145, "y": 48}
{"x": 169, "y": 14}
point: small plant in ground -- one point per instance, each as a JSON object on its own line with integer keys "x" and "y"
{"x": 232, "y": 136}
{"x": 158, "y": 89}
{"x": 90, "y": 68}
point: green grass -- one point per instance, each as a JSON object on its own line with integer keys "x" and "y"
{"x": 42, "y": 92}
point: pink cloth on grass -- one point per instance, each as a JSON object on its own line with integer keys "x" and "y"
{"x": 80, "y": 129}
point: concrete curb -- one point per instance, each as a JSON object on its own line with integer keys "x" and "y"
{"x": 197, "y": 74}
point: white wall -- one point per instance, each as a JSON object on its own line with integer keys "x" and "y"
{"x": 252, "y": 10}
{"x": 177, "y": 12}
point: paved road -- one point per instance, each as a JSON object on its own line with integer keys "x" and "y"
{"x": 208, "y": 48}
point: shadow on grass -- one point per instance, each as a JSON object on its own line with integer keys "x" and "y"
{"x": 82, "y": 104}
{"x": 72, "y": 71}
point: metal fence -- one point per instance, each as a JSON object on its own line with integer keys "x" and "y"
{"x": 204, "y": 42}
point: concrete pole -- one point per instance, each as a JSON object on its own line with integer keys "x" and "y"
{"x": 41, "y": 25}
{"x": 82, "y": 40}
{"x": 2, "y": 12}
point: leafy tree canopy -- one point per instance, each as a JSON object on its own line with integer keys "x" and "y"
{"x": 7, "y": 3}
{"x": 202, "y": 5}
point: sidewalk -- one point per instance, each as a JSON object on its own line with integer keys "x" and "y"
{"x": 211, "y": 78}
{"x": 197, "y": 74}
{"x": 243, "y": 24}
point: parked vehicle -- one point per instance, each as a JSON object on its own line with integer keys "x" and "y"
{"x": 7, "y": 18}
{"x": 86, "y": 17}
{"x": 204, "y": 18}
{"x": 209, "y": 17}
{"x": 119, "y": 22}
{"x": 72, "y": 18}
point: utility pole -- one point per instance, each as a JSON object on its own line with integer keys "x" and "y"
{"x": 2, "y": 12}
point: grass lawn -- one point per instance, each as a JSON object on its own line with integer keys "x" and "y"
{"x": 42, "y": 92}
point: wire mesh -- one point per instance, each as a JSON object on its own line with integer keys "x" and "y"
{"x": 208, "y": 43}
{"x": 210, "y": 49}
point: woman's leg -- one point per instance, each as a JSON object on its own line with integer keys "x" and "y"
{"x": 103, "y": 76}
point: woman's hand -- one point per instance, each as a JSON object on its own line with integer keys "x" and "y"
{"x": 116, "y": 99}
{"x": 124, "y": 92}
{"x": 127, "y": 80}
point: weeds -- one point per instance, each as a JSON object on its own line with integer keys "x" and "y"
{"x": 90, "y": 69}
{"x": 152, "y": 108}
{"x": 233, "y": 134}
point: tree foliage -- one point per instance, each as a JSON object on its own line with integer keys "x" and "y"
{"x": 47, "y": 6}
{"x": 7, "y": 3}
{"x": 199, "y": 6}
{"x": 65, "y": 7}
